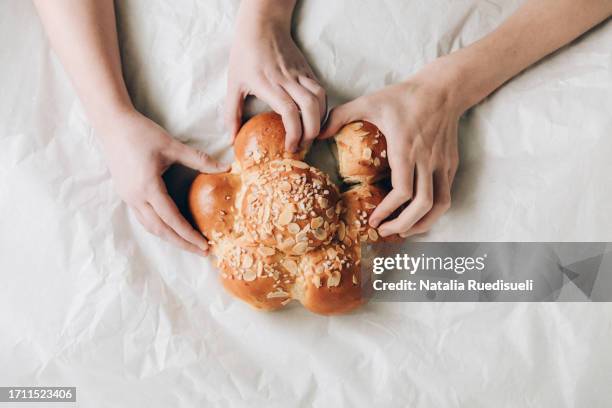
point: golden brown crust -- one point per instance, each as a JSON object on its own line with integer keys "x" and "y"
{"x": 211, "y": 203}
{"x": 332, "y": 280}
{"x": 361, "y": 153}
{"x": 280, "y": 229}
{"x": 262, "y": 139}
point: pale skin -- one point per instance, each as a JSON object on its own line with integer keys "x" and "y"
{"x": 265, "y": 62}
{"x": 420, "y": 116}
{"x": 137, "y": 150}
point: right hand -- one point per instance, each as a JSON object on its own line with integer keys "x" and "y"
{"x": 138, "y": 152}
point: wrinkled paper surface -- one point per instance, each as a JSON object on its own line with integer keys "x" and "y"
{"x": 89, "y": 299}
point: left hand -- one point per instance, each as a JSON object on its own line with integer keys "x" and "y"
{"x": 419, "y": 118}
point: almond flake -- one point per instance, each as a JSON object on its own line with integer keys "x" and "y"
{"x": 330, "y": 212}
{"x": 286, "y": 216}
{"x": 293, "y": 228}
{"x": 316, "y": 223}
{"x": 320, "y": 234}
{"x": 355, "y": 126}
{"x": 278, "y": 294}
{"x": 341, "y": 231}
{"x": 383, "y": 153}
{"x": 333, "y": 280}
{"x": 284, "y": 186}
{"x": 291, "y": 266}
{"x": 249, "y": 275}
{"x": 247, "y": 261}
{"x": 373, "y": 234}
{"x": 300, "y": 248}
{"x": 367, "y": 153}
{"x": 316, "y": 281}
{"x": 299, "y": 164}
{"x": 266, "y": 251}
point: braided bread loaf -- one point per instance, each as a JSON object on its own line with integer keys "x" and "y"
{"x": 280, "y": 229}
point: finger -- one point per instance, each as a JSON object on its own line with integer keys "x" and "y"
{"x": 281, "y": 103}
{"x": 402, "y": 180}
{"x": 309, "y": 107}
{"x": 317, "y": 90}
{"x": 165, "y": 207}
{"x": 153, "y": 224}
{"x": 422, "y": 203}
{"x": 442, "y": 202}
{"x": 233, "y": 110}
{"x": 196, "y": 159}
{"x": 341, "y": 115}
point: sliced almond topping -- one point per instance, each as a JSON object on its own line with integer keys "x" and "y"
{"x": 373, "y": 234}
{"x": 249, "y": 275}
{"x": 376, "y": 161}
{"x": 369, "y": 206}
{"x": 287, "y": 244}
{"x": 383, "y": 153}
{"x": 323, "y": 202}
{"x": 333, "y": 280}
{"x": 316, "y": 223}
{"x": 316, "y": 281}
{"x": 286, "y": 216}
{"x": 260, "y": 268}
{"x": 355, "y": 126}
{"x": 278, "y": 294}
{"x": 367, "y": 153}
{"x": 293, "y": 228}
{"x": 299, "y": 164}
{"x": 332, "y": 253}
{"x": 302, "y": 236}
{"x": 284, "y": 186}
{"x": 266, "y": 251}
{"x": 247, "y": 261}
{"x": 291, "y": 266}
{"x": 341, "y": 231}
{"x": 355, "y": 280}
{"x": 330, "y": 212}
{"x": 300, "y": 248}
{"x": 320, "y": 234}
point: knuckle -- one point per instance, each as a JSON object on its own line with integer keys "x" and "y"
{"x": 289, "y": 108}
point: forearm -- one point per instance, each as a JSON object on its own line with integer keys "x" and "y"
{"x": 257, "y": 14}
{"x": 536, "y": 29}
{"x": 83, "y": 34}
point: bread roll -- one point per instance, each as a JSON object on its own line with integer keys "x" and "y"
{"x": 279, "y": 228}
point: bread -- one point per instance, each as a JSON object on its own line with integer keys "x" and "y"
{"x": 280, "y": 229}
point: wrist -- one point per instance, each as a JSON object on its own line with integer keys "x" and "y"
{"x": 263, "y": 15}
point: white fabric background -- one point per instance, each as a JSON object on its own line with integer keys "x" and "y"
{"x": 87, "y": 298}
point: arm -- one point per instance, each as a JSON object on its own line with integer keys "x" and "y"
{"x": 84, "y": 36}
{"x": 265, "y": 62}
{"x": 420, "y": 116}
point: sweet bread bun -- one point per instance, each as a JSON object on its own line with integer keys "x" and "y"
{"x": 280, "y": 229}
{"x": 361, "y": 153}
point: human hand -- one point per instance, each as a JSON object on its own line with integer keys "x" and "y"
{"x": 265, "y": 62}
{"x": 419, "y": 119}
{"x": 138, "y": 152}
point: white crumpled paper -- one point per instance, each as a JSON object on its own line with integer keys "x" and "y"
{"x": 89, "y": 299}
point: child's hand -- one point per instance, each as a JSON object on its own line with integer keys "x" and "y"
{"x": 266, "y": 63}
{"x": 138, "y": 152}
{"x": 419, "y": 119}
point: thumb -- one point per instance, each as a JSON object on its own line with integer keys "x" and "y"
{"x": 197, "y": 159}
{"x": 340, "y": 116}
